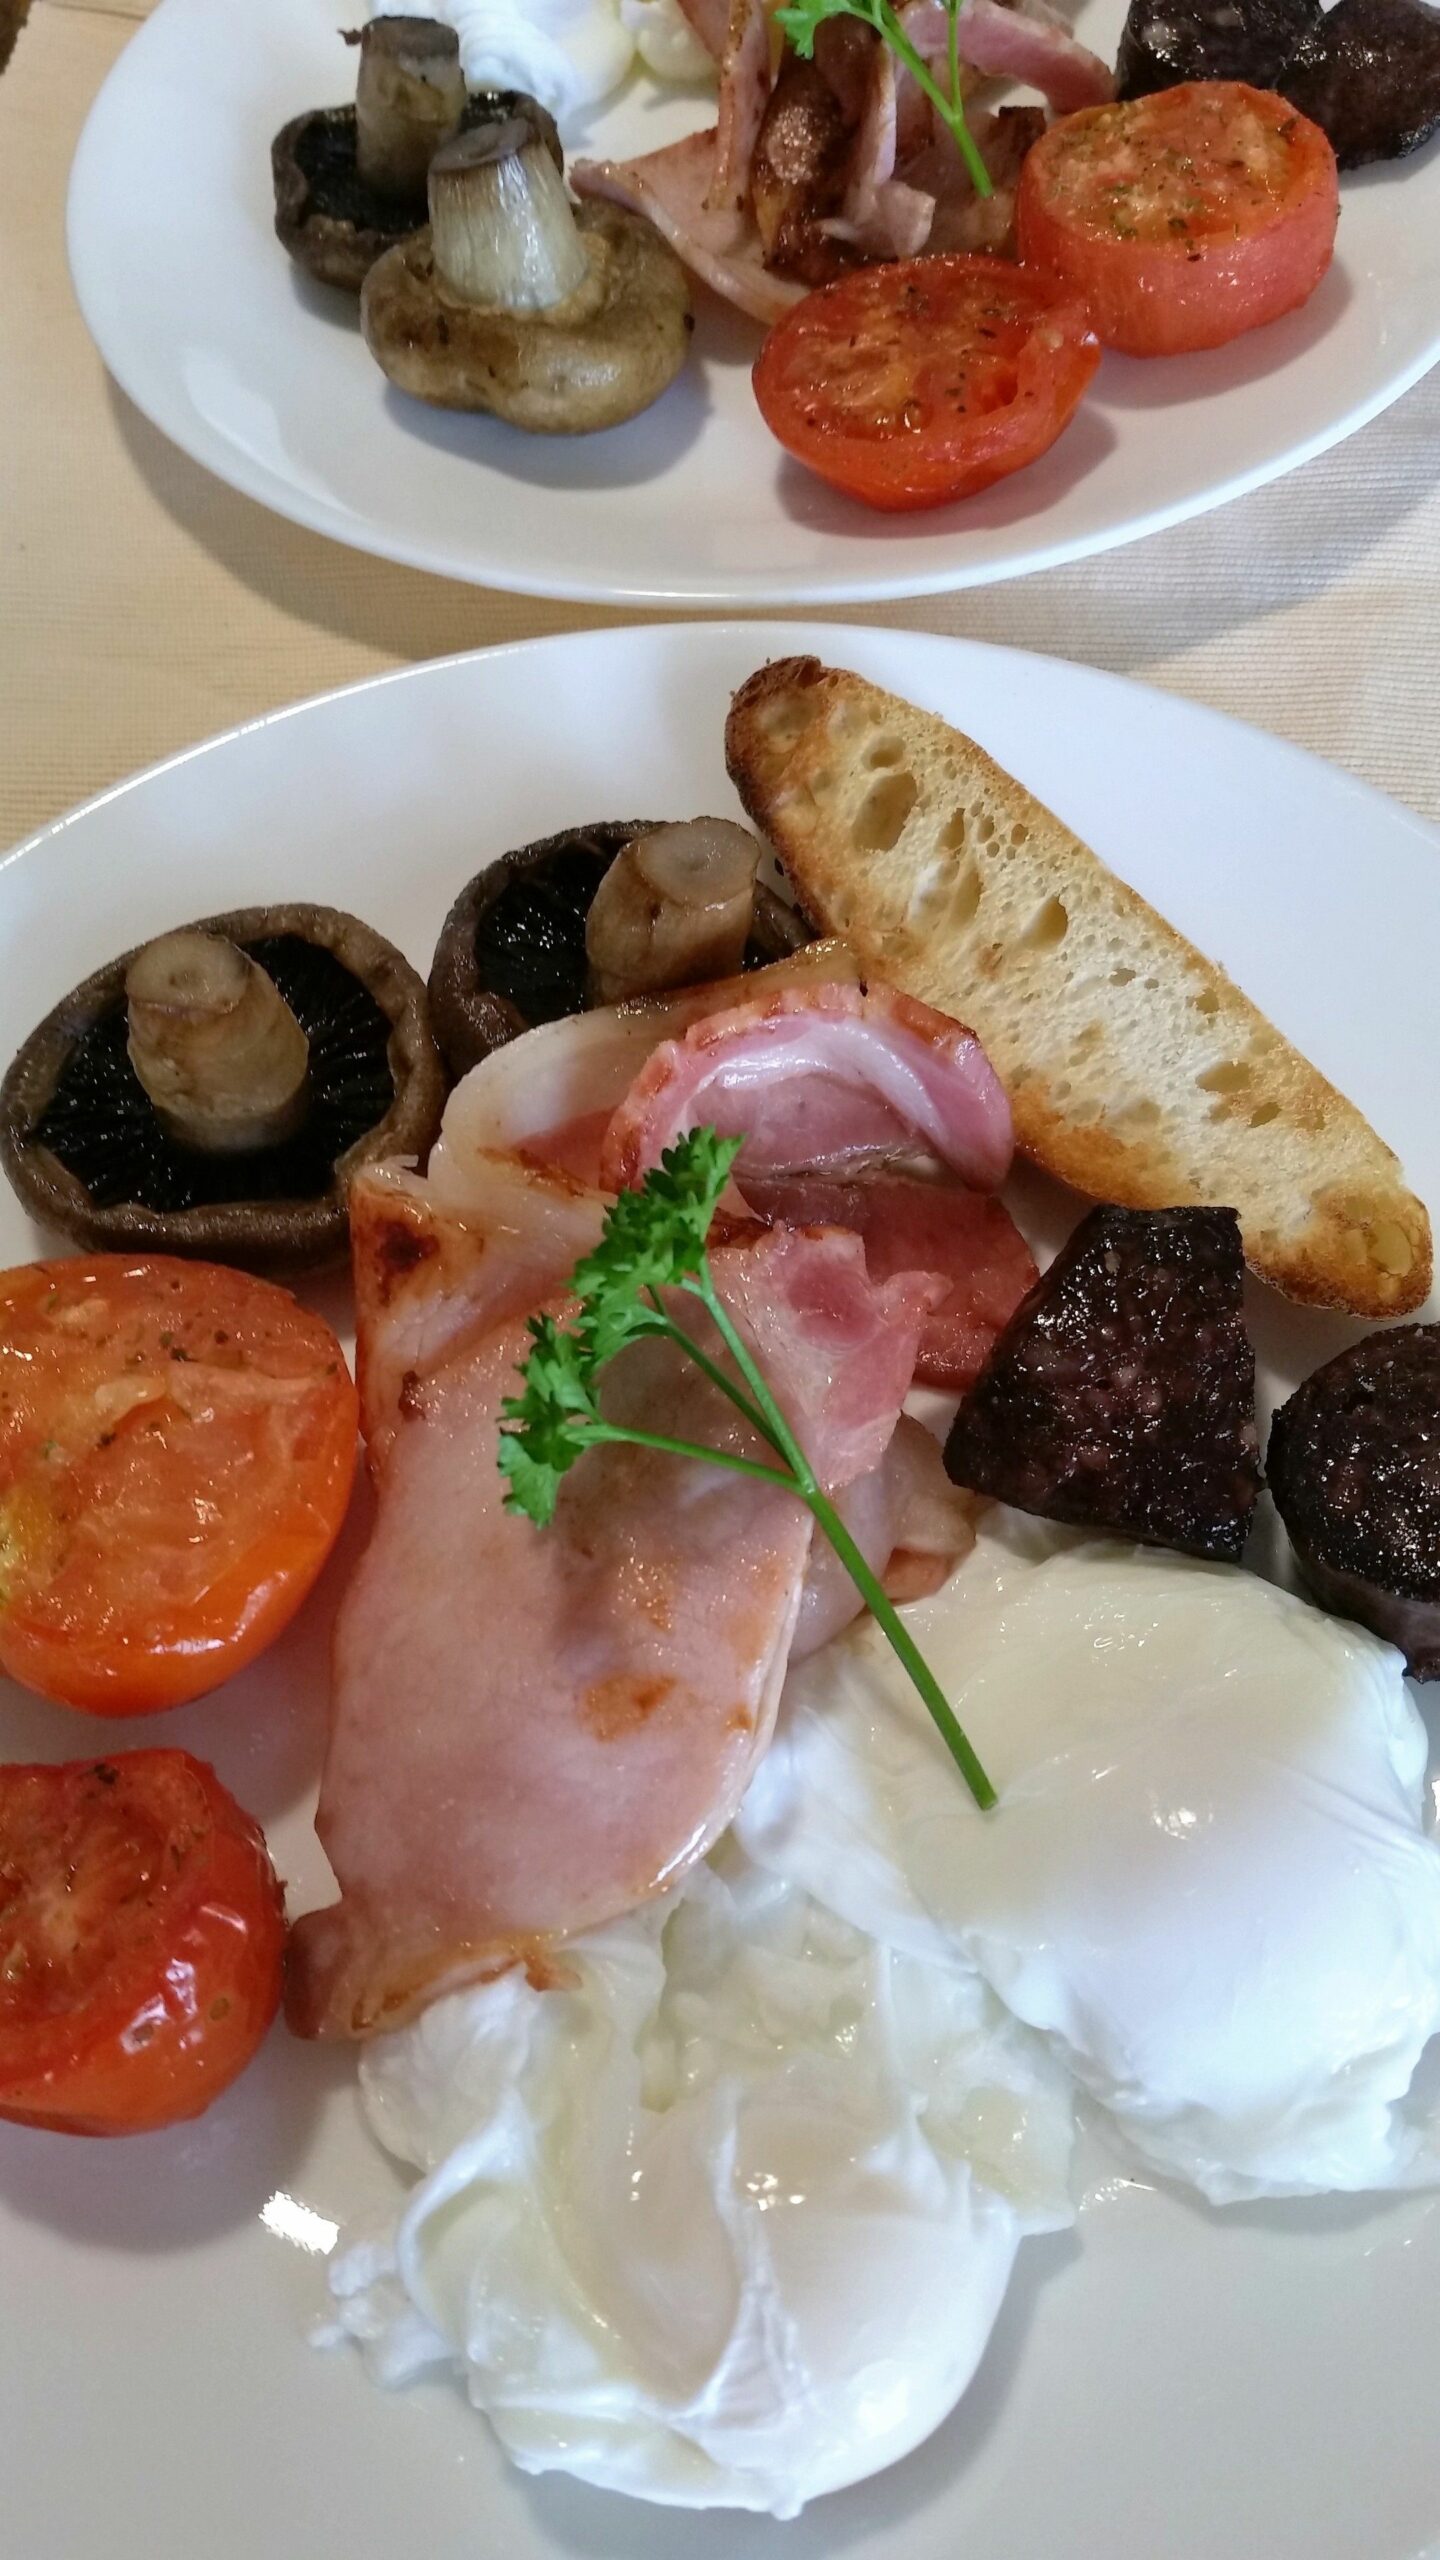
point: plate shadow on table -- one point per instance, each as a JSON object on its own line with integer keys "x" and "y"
{"x": 1181, "y": 590}
{"x": 371, "y": 603}
{"x": 1296, "y": 540}
{"x": 590, "y": 2524}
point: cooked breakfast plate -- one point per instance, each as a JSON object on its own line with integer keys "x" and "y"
{"x": 264, "y": 377}
{"x": 1164, "y": 2372}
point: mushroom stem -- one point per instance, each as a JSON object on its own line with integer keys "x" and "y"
{"x": 215, "y": 1045}
{"x": 674, "y": 909}
{"x": 501, "y": 226}
{"x": 409, "y": 99}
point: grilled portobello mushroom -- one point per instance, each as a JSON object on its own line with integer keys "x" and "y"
{"x": 211, "y": 1092}
{"x": 514, "y": 948}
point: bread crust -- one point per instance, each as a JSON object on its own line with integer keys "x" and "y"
{"x": 1137, "y": 1070}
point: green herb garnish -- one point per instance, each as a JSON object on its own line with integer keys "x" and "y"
{"x": 654, "y": 1239}
{"x": 802, "y": 18}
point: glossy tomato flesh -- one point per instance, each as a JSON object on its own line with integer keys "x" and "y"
{"x": 911, "y": 384}
{"x": 141, "y": 1942}
{"x": 1184, "y": 218}
{"x": 177, "y": 1443}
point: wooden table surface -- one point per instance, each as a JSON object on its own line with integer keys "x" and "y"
{"x": 145, "y": 605}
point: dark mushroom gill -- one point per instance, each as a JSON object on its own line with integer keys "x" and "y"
{"x": 512, "y": 953}
{"x": 530, "y": 940}
{"x": 116, "y": 1147}
{"x": 324, "y": 150}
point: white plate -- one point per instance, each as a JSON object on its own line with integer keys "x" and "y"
{"x": 263, "y": 377}
{"x": 1172, "y": 2385}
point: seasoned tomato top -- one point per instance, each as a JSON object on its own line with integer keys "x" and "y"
{"x": 176, "y": 1447}
{"x": 1210, "y": 160}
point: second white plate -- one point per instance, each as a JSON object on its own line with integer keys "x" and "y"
{"x": 264, "y": 379}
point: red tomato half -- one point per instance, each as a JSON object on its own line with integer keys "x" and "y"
{"x": 141, "y": 1942}
{"x": 1183, "y": 218}
{"x": 177, "y": 1443}
{"x": 911, "y": 384}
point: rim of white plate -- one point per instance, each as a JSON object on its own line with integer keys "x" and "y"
{"x": 918, "y": 570}
{"x": 788, "y": 638}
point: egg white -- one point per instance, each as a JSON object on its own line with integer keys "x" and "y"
{"x": 1207, "y": 1881}
{"x": 727, "y": 2218}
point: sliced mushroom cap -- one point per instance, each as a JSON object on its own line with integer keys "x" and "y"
{"x": 512, "y": 950}
{"x": 88, "y": 1151}
{"x": 598, "y": 356}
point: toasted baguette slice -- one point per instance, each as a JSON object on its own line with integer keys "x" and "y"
{"x": 1135, "y": 1069}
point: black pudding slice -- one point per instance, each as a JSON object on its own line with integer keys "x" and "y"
{"x": 1371, "y": 78}
{"x": 1166, "y": 42}
{"x": 1354, "y": 1465}
{"x": 1121, "y": 1395}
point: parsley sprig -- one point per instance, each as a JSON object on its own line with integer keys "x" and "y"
{"x": 801, "y": 20}
{"x": 655, "y": 1239}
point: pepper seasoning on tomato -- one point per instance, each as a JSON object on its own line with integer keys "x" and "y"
{"x": 142, "y": 1938}
{"x": 917, "y": 382}
{"x": 177, "y": 1443}
{"x": 1183, "y": 218}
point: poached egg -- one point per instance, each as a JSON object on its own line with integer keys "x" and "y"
{"x": 1207, "y": 1882}
{"x": 666, "y": 42}
{"x": 725, "y": 2215}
